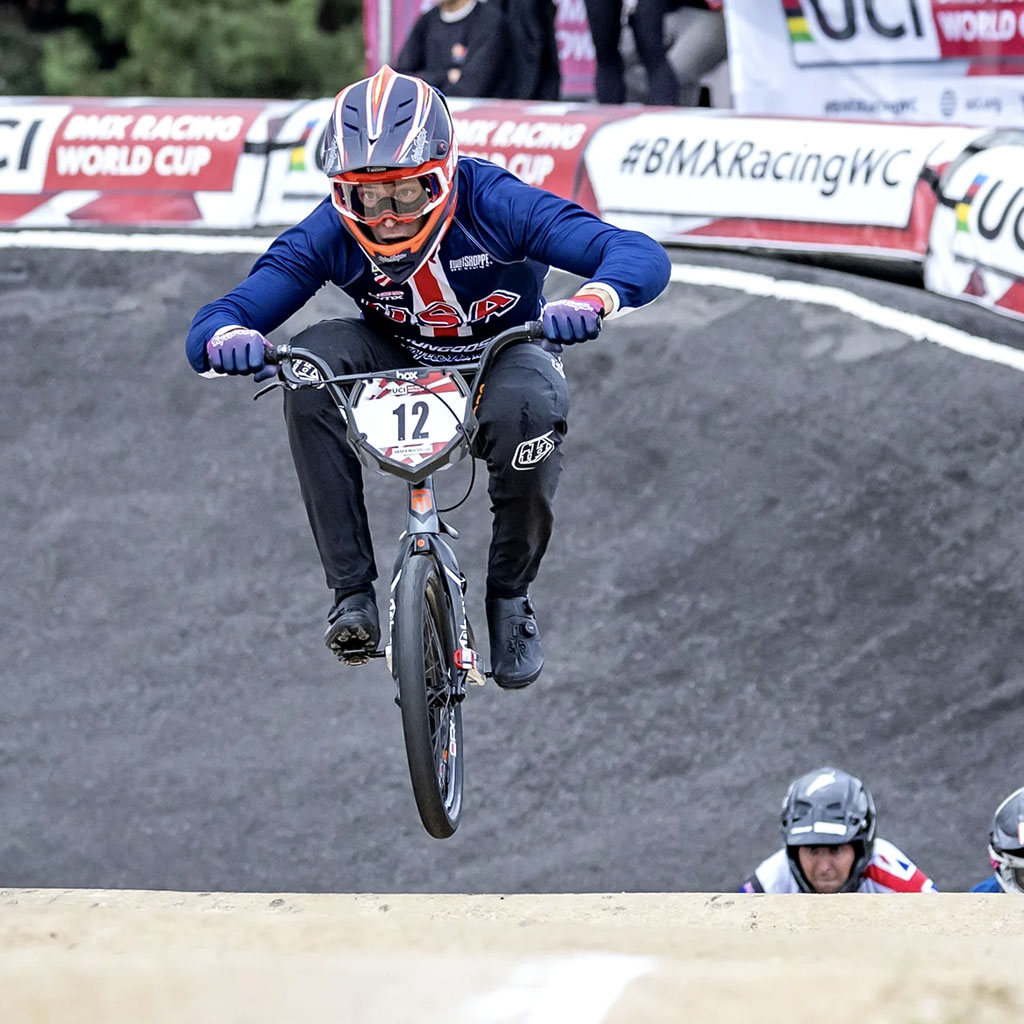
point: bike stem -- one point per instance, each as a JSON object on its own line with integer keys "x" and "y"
{"x": 423, "y": 517}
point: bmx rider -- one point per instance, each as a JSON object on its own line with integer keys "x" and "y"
{"x": 440, "y": 254}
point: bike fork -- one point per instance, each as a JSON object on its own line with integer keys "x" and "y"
{"x": 423, "y": 537}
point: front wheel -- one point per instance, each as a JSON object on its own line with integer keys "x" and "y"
{"x": 423, "y": 650}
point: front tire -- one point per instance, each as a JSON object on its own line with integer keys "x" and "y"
{"x": 424, "y": 646}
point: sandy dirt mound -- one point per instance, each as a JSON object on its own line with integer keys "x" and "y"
{"x": 611, "y": 958}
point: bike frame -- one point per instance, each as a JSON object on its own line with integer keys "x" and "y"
{"x": 422, "y": 537}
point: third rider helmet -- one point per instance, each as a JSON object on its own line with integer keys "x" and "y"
{"x": 1006, "y": 843}
{"x": 828, "y": 807}
{"x": 390, "y": 152}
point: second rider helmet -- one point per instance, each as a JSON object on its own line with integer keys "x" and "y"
{"x": 828, "y": 807}
{"x": 1006, "y": 843}
{"x": 390, "y": 152}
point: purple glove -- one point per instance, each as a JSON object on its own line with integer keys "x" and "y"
{"x": 237, "y": 350}
{"x": 571, "y": 320}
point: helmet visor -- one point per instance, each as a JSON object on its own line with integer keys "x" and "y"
{"x": 402, "y": 199}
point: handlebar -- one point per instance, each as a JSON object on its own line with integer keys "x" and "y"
{"x": 279, "y": 355}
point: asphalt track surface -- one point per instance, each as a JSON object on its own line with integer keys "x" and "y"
{"x": 784, "y": 538}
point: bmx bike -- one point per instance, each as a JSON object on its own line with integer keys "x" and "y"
{"x": 412, "y": 423}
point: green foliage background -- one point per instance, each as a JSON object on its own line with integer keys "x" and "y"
{"x": 281, "y": 49}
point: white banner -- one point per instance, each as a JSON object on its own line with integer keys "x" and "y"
{"x": 956, "y": 61}
{"x": 26, "y": 133}
{"x": 129, "y": 160}
{"x": 976, "y": 246}
{"x": 295, "y": 181}
{"x": 693, "y": 165}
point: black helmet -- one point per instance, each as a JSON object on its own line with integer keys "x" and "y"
{"x": 828, "y": 807}
{"x": 390, "y": 151}
{"x": 1006, "y": 843}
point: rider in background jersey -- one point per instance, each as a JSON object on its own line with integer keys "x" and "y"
{"x": 1006, "y": 847}
{"x": 828, "y": 832}
{"x": 440, "y": 254}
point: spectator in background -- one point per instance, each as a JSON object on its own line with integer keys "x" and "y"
{"x": 829, "y": 844}
{"x": 462, "y": 48}
{"x": 536, "y": 73}
{"x": 664, "y": 53}
{"x": 696, "y": 44}
{"x": 1006, "y": 847}
{"x": 646, "y": 19}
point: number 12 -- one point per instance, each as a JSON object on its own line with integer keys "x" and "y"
{"x": 419, "y": 409}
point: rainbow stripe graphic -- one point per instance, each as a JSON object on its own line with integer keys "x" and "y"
{"x": 963, "y": 208}
{"x": 298, "y": 154}
{"x": 796, "y": 22}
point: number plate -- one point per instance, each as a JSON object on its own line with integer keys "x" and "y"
{"x": 411, "y": 420}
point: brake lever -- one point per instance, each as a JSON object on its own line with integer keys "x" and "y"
{"x": 267, "y": 388}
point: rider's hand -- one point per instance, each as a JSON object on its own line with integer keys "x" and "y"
{"x": 571, "y": 320}
{"x": 238, "y": 350}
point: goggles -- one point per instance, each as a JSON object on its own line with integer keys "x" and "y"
{"x": 370, "y": 201}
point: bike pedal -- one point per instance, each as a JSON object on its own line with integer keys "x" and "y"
{"x": 354, "y": 660}
{"x": 468, "y": 661}
{"x": 358, "y": 655}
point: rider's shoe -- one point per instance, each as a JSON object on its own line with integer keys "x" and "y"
{"x": 353, "y": 629}
{"x": 516, "y": 655}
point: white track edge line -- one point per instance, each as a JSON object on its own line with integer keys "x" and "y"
{"x": 912, "y": 324}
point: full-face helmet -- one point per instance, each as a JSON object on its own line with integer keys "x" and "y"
{"x": 1006, "y": 843}
{"x": 828, "y": 807}
{"x": 390, "y": 153}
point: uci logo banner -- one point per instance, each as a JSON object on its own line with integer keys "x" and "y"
{"x": 976, "y": 244}
{"x": 836, "y": 32}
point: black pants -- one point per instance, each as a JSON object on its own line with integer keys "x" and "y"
{"x": 647, "y": 22}
{"x": 525, "y": 404}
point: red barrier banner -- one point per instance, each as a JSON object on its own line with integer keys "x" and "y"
{"x": 540, "y": 143}
{"x": 988, "y": 30}
{"x": 150, "y": 147}
{"x": 131, "y": 161}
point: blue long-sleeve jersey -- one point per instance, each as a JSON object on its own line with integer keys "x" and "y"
{"x": 487, "y": 274}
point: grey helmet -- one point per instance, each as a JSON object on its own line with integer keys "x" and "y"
{"x": 1006, "y": 843}
{"x": 828, "y": 807}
